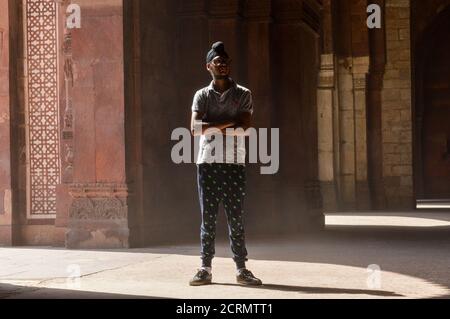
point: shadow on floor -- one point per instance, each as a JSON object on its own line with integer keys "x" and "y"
{"x": 318, "y": 290}
{"x": 18, "y": 292}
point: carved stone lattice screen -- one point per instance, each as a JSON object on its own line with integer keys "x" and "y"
{"x": 42, "y": 114}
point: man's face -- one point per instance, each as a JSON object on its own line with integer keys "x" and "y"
{"x": 220, "y": 67}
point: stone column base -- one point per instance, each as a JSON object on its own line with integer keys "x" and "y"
{"x": 98, "y": 217}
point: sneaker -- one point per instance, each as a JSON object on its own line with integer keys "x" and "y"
{"x": 202, "y": 278}
{"x": 245, "y": 277}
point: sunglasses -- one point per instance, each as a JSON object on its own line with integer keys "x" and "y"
{"x": 221, "y": 61}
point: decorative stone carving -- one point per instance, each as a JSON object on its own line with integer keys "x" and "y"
{"x": 82, "y": 208}
{"x": 98, "y": 202}
{"x": 98, "y": 216}
{"x": 98, "y": 209}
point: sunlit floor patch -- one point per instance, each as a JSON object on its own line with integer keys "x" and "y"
{"x": 419, "y": 220}
{"x": 433, "y": 204}
{"x": 167, "y": 277}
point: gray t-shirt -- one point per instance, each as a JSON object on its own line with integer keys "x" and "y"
{"x": 219, "y": 108}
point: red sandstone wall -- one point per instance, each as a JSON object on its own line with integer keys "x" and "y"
{"x": 5, "y": 167}
{"x": 98, "y": 94}
{"x": 98, "y": 209}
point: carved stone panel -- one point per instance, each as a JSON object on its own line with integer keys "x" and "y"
{"x": 42, "y": 107}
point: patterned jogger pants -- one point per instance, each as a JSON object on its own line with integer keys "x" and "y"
{"x": 222, "y": 183}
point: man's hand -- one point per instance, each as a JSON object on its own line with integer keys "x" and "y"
{"x": 198, "y": 127}
{"x": 243, "y": 123}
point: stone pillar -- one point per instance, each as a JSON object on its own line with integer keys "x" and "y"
{"x": 98, "y": 208}
{"x": 346, "y": 135}
{"x": 294, "y": 86}
{"x": 6, "y": 218}
{"x": 258, "y": 71}
{"x": 168, "y": 58}
{"x": 375, "y": 86}
{"x": 325, "y": 103}
{"x": 353, "y": 50}
{"x": 134, "y": 121}
{"x": 355, "y": 192}
{"x": 337, "y": 134}
{"x": 66, "y": 78}
{"x": 360, "y": 72}
{"x": 397, "y": 108}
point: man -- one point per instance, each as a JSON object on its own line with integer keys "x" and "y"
{"x": 222, "y": 110}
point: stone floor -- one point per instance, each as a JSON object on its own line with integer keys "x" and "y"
{"x": 411, "y": 250}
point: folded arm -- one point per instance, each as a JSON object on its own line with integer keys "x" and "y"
{"x": 242, "y": 126}
{"x": 199, "y": 127}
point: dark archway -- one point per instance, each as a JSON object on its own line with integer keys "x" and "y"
{"x": 165, "y": 45}
{"x": 432, "y": 111}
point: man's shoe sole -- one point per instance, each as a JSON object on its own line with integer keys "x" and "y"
{"x": 245, "y": 283}
{"x": 203, "y": 283}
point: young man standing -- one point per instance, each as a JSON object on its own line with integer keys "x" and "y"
{"x": 222, "y": 110}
